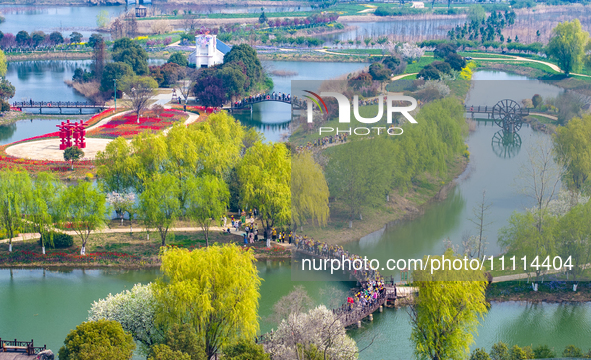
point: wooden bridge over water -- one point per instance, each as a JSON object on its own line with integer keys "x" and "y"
{"x": 350, "y": 315}
{"x": 60, "y": 105}
{"x": 247, "y": 103}
{"x": 488, "y": 110}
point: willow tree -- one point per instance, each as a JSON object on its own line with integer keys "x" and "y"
{"x": 447, "y": 311}
{"x": 159, "y": 206}
{"x": 572, "y": 146}
{"x": 567, "y": 45}
{"x": 182, "y": 157}
{"x": 265, "y": 182}
{"x": 44, "y": 207}
{"x": 207, "y": 198}
{"x": 115, "y": 173}
{"x": 149, "y": 157}
{"x": 219, "y": 142}
{"x": 15, "y": 193}
{"x": 213, "y": 289}
{"x": 309, "y": 191}
{"x": 86, "y": 209}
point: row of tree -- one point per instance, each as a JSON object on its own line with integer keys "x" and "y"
{"x": 197, "y": 172}
{"x": 36, "y": 39}
{"x": 500, "y": 351}
{"x": 361, "y": 173}
{"x": 488, "y": 29}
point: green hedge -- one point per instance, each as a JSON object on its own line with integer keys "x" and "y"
{"x": 60, "y": 240}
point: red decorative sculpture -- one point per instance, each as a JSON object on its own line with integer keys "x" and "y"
{"x": 67, "y": 130}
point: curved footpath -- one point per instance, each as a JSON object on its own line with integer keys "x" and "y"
{"x": 506, "y": 58}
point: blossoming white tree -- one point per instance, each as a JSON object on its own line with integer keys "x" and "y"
{"x": 410, "y": 52}
{"x": 316, "y": 334}
{"x": 121, "y": 203}
{"x": 134, "y": 310}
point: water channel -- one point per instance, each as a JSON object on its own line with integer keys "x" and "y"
{"x": 45, "y": 305}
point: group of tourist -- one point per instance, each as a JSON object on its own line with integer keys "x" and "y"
{"x": 277, "y": 96}
{"x": 281, "y": 236}
{"x": 372, "y": 283}
{"x": 323, "y": 142}
{"x": 369, "y": 294}
{"x": 322, "y": 249}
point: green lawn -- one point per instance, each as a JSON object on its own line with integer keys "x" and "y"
{"x": 418, "y": 65}
{"x": 483, "y": 55}
{"x": 543, "y": 119}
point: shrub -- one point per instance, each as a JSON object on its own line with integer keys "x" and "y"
{"x": 164, "y": 352}
{"x": 499, "y": 351}
{"x": 97, "y": 340}
{"x": 245, "y": 350}
{"x": 4, "y": 106}
{"x": 537, "y": 100}
{"x": 543, "y": 352}
{"x": 429, "y": 72}
{"x": 60, "y": 240}
{"x": 517, "y": 353}
{"x": 479, "y": 354}
{"x": 572, "y": 352}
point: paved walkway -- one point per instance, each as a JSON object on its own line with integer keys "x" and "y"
{"x": 119, "y": 230}
{"x": 49, "y": 149}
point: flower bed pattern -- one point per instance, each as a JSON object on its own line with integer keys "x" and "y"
{"x": 69, "y": 257}
{"x": 127, "y": 126}
{"x": 102, "y": 115}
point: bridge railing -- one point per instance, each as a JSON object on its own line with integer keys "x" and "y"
{"x": 74, "y": 104}
{"x": 489, "y": 109}
{"x": 23, "y": 346}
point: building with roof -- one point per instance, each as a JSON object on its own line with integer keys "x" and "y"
{"x": 141, "y": 11}
{"x": 209, "y": 51}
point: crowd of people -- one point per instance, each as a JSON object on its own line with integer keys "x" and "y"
{"x": 277, "y": 96}
{"x": 323, "y": 142}
{"x": 372, "y": 288}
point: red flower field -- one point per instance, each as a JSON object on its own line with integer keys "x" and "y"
{"x": 127, "y": 126}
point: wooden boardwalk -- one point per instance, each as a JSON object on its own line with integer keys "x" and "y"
{"x": 353, "y": 316}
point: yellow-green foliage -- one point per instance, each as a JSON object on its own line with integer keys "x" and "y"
{"x": 214, "y": 289}
{"x": 448, "y": 311}
{"x": 309, "y": 190}
{"x": 468, "y": 70}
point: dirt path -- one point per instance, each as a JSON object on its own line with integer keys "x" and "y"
{"x": 545, "y": 115}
